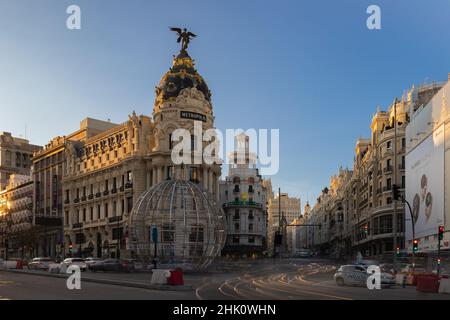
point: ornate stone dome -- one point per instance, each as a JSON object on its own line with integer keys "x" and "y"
{"x": 181, "y": 75}
{"x": 190, "y": 226}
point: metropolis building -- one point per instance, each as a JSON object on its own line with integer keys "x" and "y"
{"x": 108, "y": 172}
{"x": 91, "y": 179}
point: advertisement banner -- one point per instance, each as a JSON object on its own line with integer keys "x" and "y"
{"x": 425, "y": 187}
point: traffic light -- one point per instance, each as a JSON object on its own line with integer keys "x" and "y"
{"x": 395, "y": 192}
{"x": 441, "y": 232}
{"x": 366, "y": 229}
{"x": 70, "y": 248}
{"x": 278, "y": 239}
{"x": 398, "y": 251}
{"x": 439, "y": 261}
{"x": 415, "y": 245}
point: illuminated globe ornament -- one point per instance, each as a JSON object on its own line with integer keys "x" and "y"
{"x": 190, "y": 226}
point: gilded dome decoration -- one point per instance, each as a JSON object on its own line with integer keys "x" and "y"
{"x": 181, "y": 75}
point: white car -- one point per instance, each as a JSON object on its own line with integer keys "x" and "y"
{"x": 40, "y": 263}
{"x": 77, "y": 262}
{"x": 303, "y": 253}
{"x": 90, "y": 261}
{"x": 356, "y": 275}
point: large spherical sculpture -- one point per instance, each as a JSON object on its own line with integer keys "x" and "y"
{"x": 190, "y": 226}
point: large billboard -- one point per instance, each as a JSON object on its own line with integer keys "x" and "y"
{"x": 425, "y": 186}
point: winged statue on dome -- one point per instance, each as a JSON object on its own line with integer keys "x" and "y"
{"x": 184, "y": 36}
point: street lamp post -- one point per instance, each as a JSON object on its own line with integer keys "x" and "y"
{"x": 394, "y": 173}
{"x": 413, "y": 233}
{"x": 119, "y": 238}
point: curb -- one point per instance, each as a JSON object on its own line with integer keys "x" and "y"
{"x": 107, "y": 281}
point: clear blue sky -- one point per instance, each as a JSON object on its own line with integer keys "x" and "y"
{"x": 310, "y": 68}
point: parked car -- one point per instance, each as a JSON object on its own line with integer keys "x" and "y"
{"x": 77, "y": 262}
{"x": 128, "y": 265}
{"x": 357, "y": 275}
{"x": 91, "y": 260}
{"x": 40, "y": 263}
{"x": 367, "y": 263}
{"x": 108, "y": 265}
{"x": 303, "y": 253}
{"x": 388, "y": 268}
{"x": 409, "y": 268}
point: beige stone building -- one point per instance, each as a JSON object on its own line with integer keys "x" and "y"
{"x": 283, "y": 210}
{"x": 107, "y": 172}
{"x": 49, "y": 169}
{"x": 243, "y": 197}
{"x": 357, "y": 212}
{"x": 17, "y": 235}
{"x": 15, "y": 157}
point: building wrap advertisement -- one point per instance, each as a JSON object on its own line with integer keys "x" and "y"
{"x": 425, "y": 188}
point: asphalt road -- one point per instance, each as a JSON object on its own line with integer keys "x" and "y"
{"x": 30, "y": 287}
{"x": 297, "y": 279}
{"x": 293, "y": 279}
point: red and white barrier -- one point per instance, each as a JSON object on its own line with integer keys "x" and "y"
{"x": 444, "y": 286}
{"x": 13, "y": 264}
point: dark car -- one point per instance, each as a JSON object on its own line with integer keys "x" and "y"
{"x": 111, "y": 265}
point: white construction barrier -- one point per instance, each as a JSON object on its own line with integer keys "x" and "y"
{"x": 63, "y": 268}
{"x": 54, "y": 268}
{"x": 444, "y": 286}
{"x": 11, "y": 264}
{"x": 160, "y": 276}
{"x": 400, "y": 278}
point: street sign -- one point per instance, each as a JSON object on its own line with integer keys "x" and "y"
{"x": 154, "y": 233}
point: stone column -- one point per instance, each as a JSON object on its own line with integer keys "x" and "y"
{"x": 159, "y": 179}
{"x": 154, "y": 176}
{"x": 217, "y": 190}
{"x": 210, "y": 181}
{"x": 163, "y": 173}
{"x": 148, "y": 181}
{"x": 177, "y": 173}
{"x": 205, "y": 178}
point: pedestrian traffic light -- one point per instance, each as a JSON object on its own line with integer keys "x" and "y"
{"x": 398, "y": 251}
{"x": 441, "y": 232}
{"x": 70, "y": 247}
{"x": 366, "y": 229}
{"x": 415, "y": 245}
{"x": 395, "y": 192}
{"x": 439, "y": 261}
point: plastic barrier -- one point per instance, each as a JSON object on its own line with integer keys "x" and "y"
{"x": 54, "y": 268}
{"x": 176, "y": 277}
{"x": 400, "y": 279}
{"x": 10, "y": 264}
{"x": 411, "y": 280}
{"x": 19, "y": 264}
{"x": 444, "y": 286}
{"x": 428, "y": 283}
{"x": 160, "y": 276}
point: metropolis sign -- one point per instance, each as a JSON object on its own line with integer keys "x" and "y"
{"x": 192, "y": 116}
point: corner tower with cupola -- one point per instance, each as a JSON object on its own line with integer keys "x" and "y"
{"x": 182, "y": 98}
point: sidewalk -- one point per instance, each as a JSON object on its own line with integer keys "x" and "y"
{"x": 133, "y": 279}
